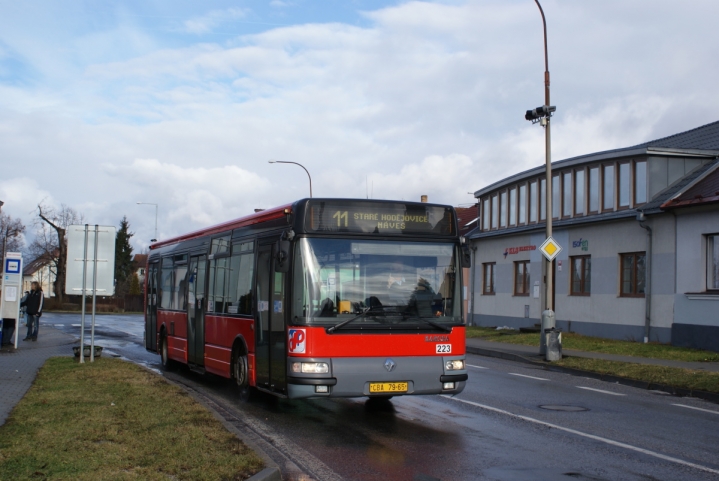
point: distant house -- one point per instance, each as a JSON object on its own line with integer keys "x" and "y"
{"x": 139, "y": 263}
{"x": 40, "y": 270}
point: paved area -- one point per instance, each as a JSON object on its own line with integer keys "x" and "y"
{"x": 18, "y": 367}
{"x": 495, "y": 349}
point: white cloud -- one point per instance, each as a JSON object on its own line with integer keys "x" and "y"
{"x": 427, "y": 98}
{"x": 213, "y": 19}
{"x": 190, "y": 198}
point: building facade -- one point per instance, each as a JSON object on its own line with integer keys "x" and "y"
{"x": 637, "y": 228}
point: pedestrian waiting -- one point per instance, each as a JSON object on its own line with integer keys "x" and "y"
{"x": 33, "y": 309}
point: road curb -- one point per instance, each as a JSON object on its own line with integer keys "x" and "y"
{"x": 267, "y": 474}
{"x": 675, "y": 391}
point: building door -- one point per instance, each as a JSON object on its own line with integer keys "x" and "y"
{"x": 270, "y": 337}
{"x": 151, "y": 308}
{"x": 196, "y": 310}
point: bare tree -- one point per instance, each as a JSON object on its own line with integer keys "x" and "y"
{"x": 51, "y": 240}
{"x": 11, "y": 239}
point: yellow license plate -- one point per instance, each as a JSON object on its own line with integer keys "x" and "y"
{"x": 375, "y": 387}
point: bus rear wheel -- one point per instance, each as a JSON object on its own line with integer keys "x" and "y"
{"x": 167, "y": 363}
{"x": 240, "y": 373}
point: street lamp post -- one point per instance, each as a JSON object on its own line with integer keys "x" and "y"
{"x": 285, "y": 162}
{"x": 150, "y": 203}
{"x": 543, "y": 115}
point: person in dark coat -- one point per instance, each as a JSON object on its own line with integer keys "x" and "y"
{"x": 33, "y": 308}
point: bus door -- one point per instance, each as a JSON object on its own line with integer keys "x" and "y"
{"x": 196, "y": 310}
{"x": 270, "y": 338}
{"x": 151, "y": 308}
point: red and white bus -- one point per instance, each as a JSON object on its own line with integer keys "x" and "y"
{"x": 320, "y": 298}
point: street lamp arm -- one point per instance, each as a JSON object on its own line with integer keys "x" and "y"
{"x": 296, "y": 163}
{"x": 546, "y": 56}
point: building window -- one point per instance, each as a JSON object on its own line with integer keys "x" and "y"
{"x": 713, "y": 262}
{"x": 579, "y": 192}
{"x": 581, "y": 276}
{"x": 485, "y": 213}
{"x": 594, "y": 189}
{"x": 503, "y": 209}
{"x": 640, "y": 182}
{"x": 513, "y": 207}
{"x": 522, "y": 204}
{"x": 521, "y": 278}
{"x": 556, "y": 197}
{"x": 608, "y": 191}
{"x": 567, "y": 197}
{"x": 633, "y": 274}
{"x": 624, "y": 185}
{"x": 495, "y": 211}
{"x": 543, "y": 199}
{"x": 488, "y": 276}
{"x": 533, "y": 201}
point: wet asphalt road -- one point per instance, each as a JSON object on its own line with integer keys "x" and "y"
{"x": 511, "y": 423}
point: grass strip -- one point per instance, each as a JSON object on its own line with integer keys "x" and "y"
{"x": 668, "y": 376}
{"x": 579, "y": 342}
{"x": 114, "y": 420}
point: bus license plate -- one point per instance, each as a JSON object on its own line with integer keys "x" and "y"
{"x": 375, "y": 387}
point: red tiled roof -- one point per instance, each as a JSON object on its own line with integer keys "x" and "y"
{"x": 705, "y": 191}
{"x": 467, "y": 218}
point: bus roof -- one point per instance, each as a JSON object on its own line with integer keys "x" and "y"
{"x": 256, "y": 218}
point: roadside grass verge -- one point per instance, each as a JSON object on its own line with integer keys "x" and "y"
{"x": 114, "y": 420}
{"x": 668, "y": 376}
{"x": 597, "y": 344}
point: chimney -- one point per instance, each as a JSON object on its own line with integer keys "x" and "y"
{"x": 423, "y": 199}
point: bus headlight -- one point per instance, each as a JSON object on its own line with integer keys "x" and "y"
{"x": 311, "y": 367}
{"x": 456, "y": 365}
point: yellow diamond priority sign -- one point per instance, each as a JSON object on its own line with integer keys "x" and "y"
{"x": 550, "y": 248}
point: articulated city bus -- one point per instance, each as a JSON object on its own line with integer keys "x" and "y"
{"x": 320, "y": 298}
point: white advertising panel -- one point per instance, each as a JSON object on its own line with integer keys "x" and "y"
{"x": 76, "y": 251}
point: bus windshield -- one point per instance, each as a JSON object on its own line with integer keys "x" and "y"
{"x": 380, "y": 283}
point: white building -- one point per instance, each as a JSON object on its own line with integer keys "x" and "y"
{"x": 639, "y": 228}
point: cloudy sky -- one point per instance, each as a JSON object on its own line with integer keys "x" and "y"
{"x": 182, "y": 103}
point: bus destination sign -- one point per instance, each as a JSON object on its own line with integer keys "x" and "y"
{"x": 379, "y": 218}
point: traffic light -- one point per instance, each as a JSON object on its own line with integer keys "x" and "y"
{"x": 539, "y": 112}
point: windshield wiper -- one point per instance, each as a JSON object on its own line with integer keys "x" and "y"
{"x": 332, "y": 329}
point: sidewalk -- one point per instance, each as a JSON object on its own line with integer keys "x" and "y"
{"x": 18, "y": 368}
{"x": 518, "y": 352}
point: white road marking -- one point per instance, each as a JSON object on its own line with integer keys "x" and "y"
{"x": 698, "y": 409}
{"x": 59, "y": 325}
{"x": 530, "y": 377}
{"x": 76, "y": 325}
{"x": 477, "y": 367}
{"x": 601, "y": 391}
{"x": 587, "y": 435}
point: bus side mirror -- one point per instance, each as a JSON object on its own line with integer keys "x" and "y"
{"x": 466, "y": 257}
{"x": 282, "y": 258}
